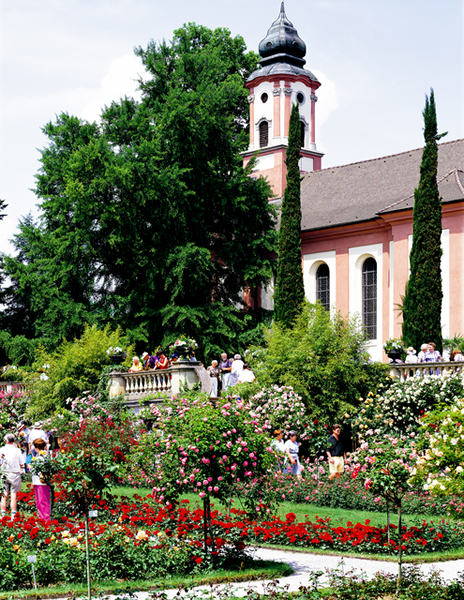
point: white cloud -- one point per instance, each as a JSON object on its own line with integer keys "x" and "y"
{"x": 120, "y": 81}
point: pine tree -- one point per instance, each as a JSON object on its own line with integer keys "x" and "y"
{"x": 423, "y": 297}
{"x": 289, "y": 293}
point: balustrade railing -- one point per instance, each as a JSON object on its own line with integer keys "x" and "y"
{"x": 405, "y": 372}
{"x": 147, "y": 382}
{"x": 8, "y": 386}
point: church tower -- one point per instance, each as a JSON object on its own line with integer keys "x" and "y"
{"x": 280, "y": 82}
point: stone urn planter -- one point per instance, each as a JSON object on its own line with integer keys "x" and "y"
{"x": 394, "y": 355}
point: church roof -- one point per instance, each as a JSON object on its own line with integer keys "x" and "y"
{"x": 363, "y": 191}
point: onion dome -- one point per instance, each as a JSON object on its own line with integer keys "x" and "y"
{"x": 282, "y": 43}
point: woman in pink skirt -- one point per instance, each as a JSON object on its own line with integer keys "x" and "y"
{"x": 41, "y": 490}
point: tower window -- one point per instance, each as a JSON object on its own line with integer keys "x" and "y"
{"x": 323, "y": 285}
{"x": 369, "y": 297}
{"x": 264, "y": 98}
{"x": 302, "y": 134}
{"x": 300, "y": 98}
{"x": 263, "y": 134}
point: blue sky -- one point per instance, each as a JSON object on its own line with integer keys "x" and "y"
{"x": 376, "y": 61}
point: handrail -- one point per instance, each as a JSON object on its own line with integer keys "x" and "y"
{"x": 407, "y": 371}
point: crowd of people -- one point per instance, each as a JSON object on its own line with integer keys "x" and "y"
{"x": 287, "y": 453}
{"x": 428, "y": 353}
{"x": 159, "y": 360}
{"x": 228, "y": 373}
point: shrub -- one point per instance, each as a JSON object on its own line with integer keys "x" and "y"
{"x": 323, "y": 358}
{"x": 400, "y": 408}
{"x": 71, "y": 370}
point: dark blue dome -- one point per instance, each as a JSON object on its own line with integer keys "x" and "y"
{"x": 282, "y": 43}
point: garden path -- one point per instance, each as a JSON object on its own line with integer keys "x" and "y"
{"x": 303, "y": 564}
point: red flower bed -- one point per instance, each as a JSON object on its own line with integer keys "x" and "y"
{"x": 181, "y": 522}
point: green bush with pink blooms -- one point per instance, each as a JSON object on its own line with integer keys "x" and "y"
{"x": 212, "y": 450}
{"x": 280, "y": 407}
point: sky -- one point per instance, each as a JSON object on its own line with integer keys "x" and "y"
{"x": 375, "y": 59}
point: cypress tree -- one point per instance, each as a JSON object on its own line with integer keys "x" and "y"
{"x": 423, "y": 296}
{"x": 289, "y": 293}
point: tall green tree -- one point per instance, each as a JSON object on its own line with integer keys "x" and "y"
{"x": 289, "y": 293}
{"x": 423, "y": 297}
{"x": 148, "y": 218}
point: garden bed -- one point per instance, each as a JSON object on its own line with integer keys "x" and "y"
{"x": 136, "y": 535}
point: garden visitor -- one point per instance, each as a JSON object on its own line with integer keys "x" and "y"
{"x": 278, "y": 447}
{"x": 292, "y": 447}
{"x": 335, "y": 453}
{"x": 12, "y": 464}
{"x": 163, "y": 360}
{"x": 136, "y": 365}
{"x": 432, "y": 355}
{"x": 35, "y": 433}
{"x": 148, "y": 361}
{"x": 225, "y": 365}
{"x": 41, "y": 489}
{"x": 247, "y": 375}
{"x": 214, "y": 372}
{"x": 236, "y": 370}
{"x": 457, "y": 356}
{"x": 411, "y": 358}
{"x": 421, "y": 355}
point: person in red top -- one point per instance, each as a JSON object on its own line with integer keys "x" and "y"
{"x": 163, "y": 360}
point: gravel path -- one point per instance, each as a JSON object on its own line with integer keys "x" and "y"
{"x": 303, "y": 564}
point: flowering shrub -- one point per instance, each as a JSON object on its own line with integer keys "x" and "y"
{"x": 13, "y": 405}
{"x": 350, "y": 493}
{"x": 400, "y": 408}
{"x": 441, "y": 465}
{"x": 279, "y": 407}
{"x": 393, "y": 344}
{"x": 198, "y": 447}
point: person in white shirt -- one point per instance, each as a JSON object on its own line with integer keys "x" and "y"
{"x": 411, "y": 358}
{"x": 237, "y": 368}
{"x": 246, "y": 376}
{"x": 292, "y": 447}
{"x": 11, "y": 462}
{"x": 36, "y": 433}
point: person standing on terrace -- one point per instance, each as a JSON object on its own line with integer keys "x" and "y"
{"x": 335, "y": 453}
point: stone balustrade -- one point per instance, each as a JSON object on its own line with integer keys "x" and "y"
{"x": 158, "y": 384}
{"x": 405, "y": 372}
{"x": 8, "y": 386}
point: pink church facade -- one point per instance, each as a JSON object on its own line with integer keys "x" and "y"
{"x": 356, "y": 229}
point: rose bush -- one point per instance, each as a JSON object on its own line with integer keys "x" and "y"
{"x": 440, "y": 468}
{"x": 400, "y": 408}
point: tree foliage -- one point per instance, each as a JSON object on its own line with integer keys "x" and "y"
{"x": 423, "y": 297}
{"x": 72, "y": 369}
{"x": 289, "y": 293}
{"x": 323, "y": 358}
{"x": 148, "y": 218}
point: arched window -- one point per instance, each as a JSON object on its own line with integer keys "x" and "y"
{"x": 263, "y": 134}
{"x": 369, "y": 297}
{"x": 302, "y": 134}
{"x": 323, "y": 285}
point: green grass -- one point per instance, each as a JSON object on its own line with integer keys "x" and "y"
{"x": 260, "y": 570}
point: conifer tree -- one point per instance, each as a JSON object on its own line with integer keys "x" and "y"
{"x": 289, "y": 293}
{"x": 423, "y": 297}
